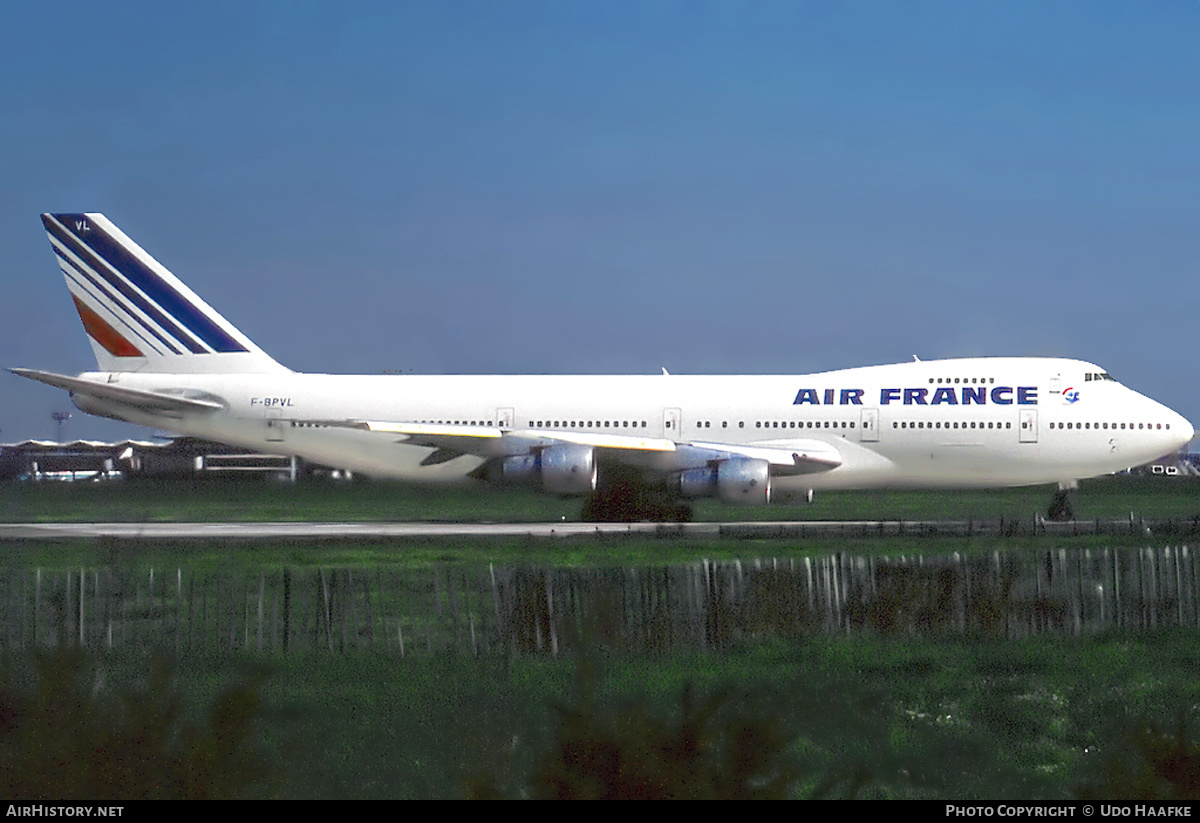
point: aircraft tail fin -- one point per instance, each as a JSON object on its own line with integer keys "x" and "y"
{"x": 137, "y": 315}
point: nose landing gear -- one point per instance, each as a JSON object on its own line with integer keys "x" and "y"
{"x": 1061, "y": 506}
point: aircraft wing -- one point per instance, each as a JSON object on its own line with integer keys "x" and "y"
{"x": 472, "y": 439}
{"x": 788, "y": 457}
{"x": 151, "y": 401}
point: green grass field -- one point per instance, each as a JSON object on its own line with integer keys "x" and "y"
{"x": 967, "y": 719}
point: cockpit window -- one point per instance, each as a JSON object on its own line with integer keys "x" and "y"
{"x": 1099, "y": 376}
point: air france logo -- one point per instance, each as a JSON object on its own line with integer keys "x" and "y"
{"x": 1071, "y": 395}
{"x": 942, "y": 395}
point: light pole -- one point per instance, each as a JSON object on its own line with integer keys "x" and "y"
{"x": 60, "y": 418}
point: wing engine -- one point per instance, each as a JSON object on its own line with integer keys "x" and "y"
{"x": 568, "y": 468}
{"x": 741, "y": 480}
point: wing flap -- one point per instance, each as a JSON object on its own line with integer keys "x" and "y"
{"x": 461, "y": 438}
{"x": 492, "y": 441}
{"x": 792, "y": 457}
{"x": 619, "y": 442}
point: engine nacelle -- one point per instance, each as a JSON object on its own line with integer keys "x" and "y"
{"x": 565, "y": 469}
{"x": 738, "y": 480}
{"x": 569, "y": 469}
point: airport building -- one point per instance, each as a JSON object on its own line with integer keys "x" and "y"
{"x": 180, "y": 457}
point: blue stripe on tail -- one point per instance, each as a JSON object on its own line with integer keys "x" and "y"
{"x": 93, "y": 244}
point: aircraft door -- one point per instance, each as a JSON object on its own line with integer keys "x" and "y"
{"x": 504, "y": 418}
{"x": 869, "y": 426}
{"x": 275, "y": 424}
{"x": 1027, "y": 421}
{"x": 673, "y": 425}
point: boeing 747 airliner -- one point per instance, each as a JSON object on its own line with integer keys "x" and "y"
{"x": 166, "y": 359}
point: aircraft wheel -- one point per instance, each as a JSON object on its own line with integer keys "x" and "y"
{"x": 681, "y": 514}
{"x": 594, "y": 510}
{"x": 611, "y": 503}
{"x": 628, "y": 502}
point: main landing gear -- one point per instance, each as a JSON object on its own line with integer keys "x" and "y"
{"x": 627, "y": 501}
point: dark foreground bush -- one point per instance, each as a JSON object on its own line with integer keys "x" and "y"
{"x": 1148, "y": 763}
{"x": 69, "y": 736}
{"x": 727, "y": 745}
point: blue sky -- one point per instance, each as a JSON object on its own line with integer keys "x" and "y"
{"x": 559, "y": 187}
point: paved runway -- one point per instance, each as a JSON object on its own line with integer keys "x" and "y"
{"x": 322, "y": 531}
{"x": 392, "y": 531}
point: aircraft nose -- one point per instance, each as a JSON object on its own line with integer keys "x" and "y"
{"x": 1186, "y": 432}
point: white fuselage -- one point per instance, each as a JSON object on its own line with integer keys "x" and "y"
{"x": 981, "y": 422}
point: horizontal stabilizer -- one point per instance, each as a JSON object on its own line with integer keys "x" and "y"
{"x": 155, "y": 401}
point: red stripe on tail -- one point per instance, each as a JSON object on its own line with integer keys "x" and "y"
{"x": 104, "y": 334}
